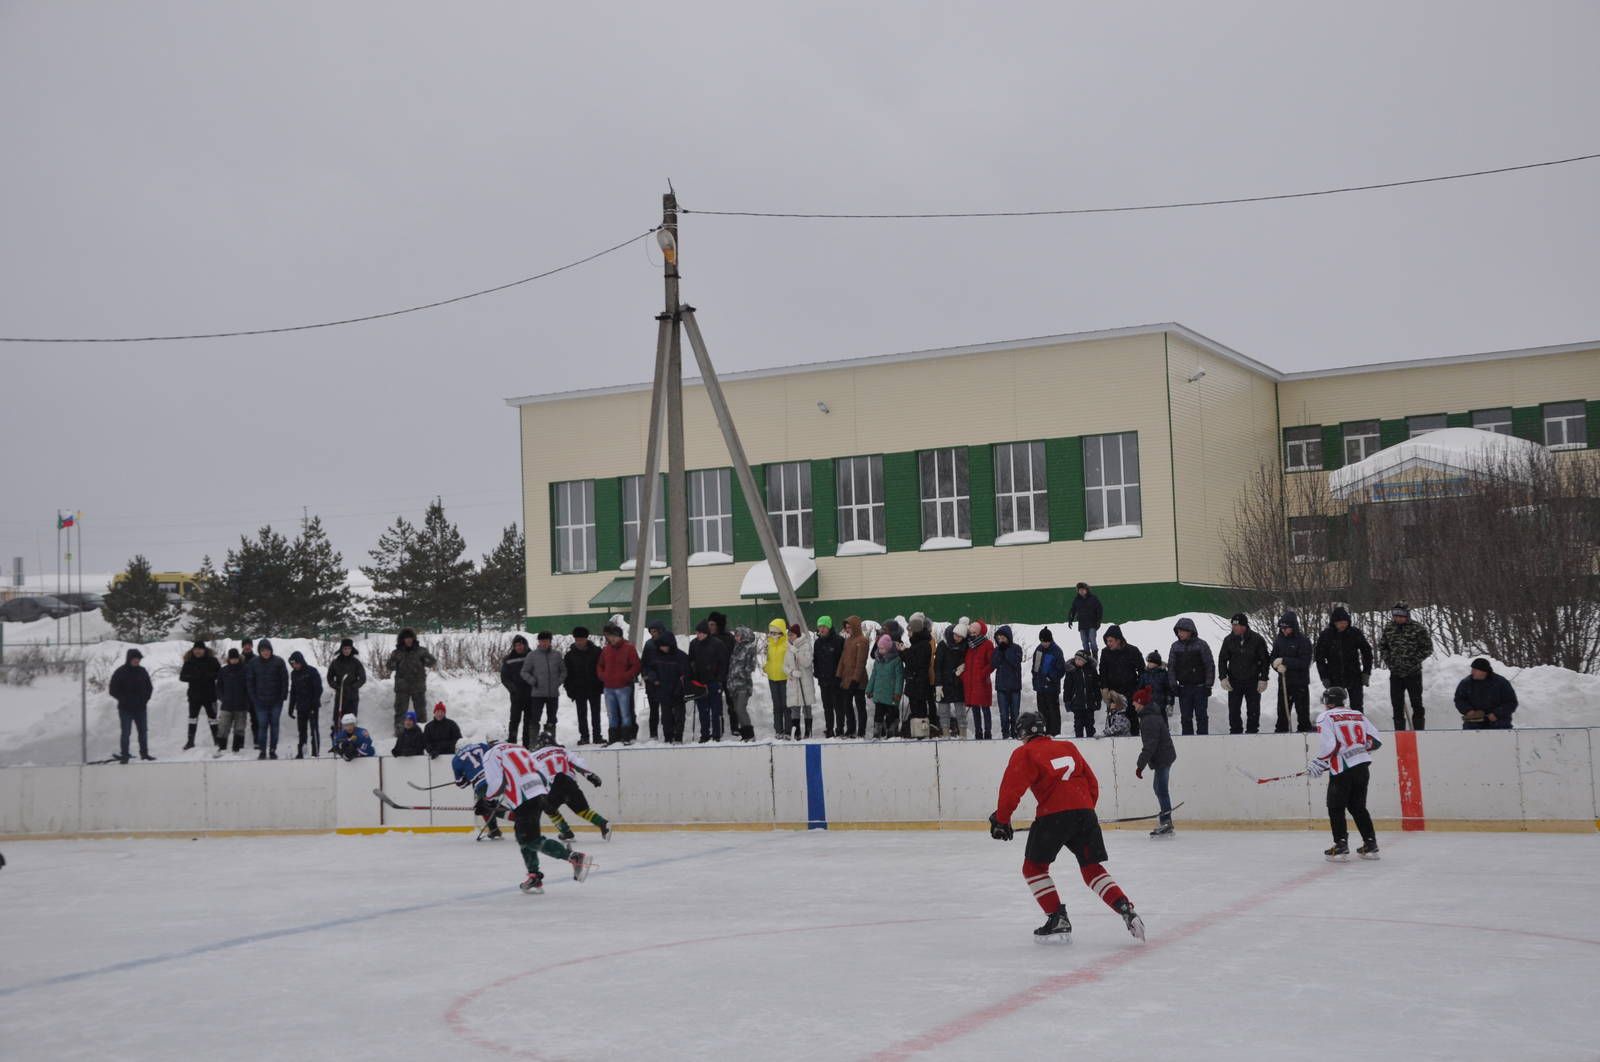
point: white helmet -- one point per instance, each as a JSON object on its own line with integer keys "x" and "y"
{"x": 494, "y": 736}
{"x": 348, "y": 720}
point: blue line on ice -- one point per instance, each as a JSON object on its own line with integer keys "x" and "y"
{"x": 316, "y": 927}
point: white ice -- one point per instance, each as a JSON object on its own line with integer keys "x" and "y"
{"x": 785, "y": 945}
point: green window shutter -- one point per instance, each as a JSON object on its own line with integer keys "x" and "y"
{"x": 608, "y": 523}
{"x": 1391, "y": 432}
{"x": 824, "y": 509}
{"x": 1594, "y": 425}
{"x": 1459, "y": 420}
{"x": 902, "y": 502}
{"x": 550, "y": 517}
{"x": 1336, "y": 532}
{"x": 746, "y": 544}
{"x": 1063, "y": 466}
{"x": 1527, "y": 422}
{"x": 980, "y": 486}
{"x": 1332, "y": 448}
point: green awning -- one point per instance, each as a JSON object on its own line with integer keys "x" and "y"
{"x": 619, "y": 591}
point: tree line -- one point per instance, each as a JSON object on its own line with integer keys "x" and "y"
{"x": 298, "y": 588}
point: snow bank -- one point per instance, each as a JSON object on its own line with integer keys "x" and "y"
{"x": 1448, "y": 449}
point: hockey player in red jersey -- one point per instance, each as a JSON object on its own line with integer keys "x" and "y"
{"x": 1066, "y": 791}
{"x": 511, "y": 776}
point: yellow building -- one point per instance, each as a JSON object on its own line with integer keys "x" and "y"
{"x": 988, "y": 480}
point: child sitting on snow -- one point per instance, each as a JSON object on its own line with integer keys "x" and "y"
{"x": 1116, "y": 715}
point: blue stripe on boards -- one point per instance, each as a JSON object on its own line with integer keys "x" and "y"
{"x": 816, "y": 804}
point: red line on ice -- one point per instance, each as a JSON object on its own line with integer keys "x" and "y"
{"x": 984, "y": 1016}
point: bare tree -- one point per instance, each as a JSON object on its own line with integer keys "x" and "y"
{"x": 1282, "y": 551}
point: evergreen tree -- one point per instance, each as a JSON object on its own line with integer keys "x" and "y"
{"x": 444, "y": 588}
{"x": 213, "y": 610}
{"x": 262, "y": 573}
{"x": 321, "y": 593}
{"x": 137, "y": 609}
{"x": 394, "y": 580}
{"x": 502, "y": 582}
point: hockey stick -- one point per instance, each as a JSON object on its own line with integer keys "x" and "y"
{"x": 426, "y": 788}
{"x": 1143, "y": 818}
{"x": 381, "y": 795}
{"x": 1264, "y": 781}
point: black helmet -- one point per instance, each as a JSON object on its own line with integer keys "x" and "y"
{"x": 545, "y": 739}
{"x": 1030, "y": 725}
{"x": 1335, "y": 697}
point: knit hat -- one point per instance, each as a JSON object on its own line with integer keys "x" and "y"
{"x": 580, "y": 632}
{"x": 347, "y": 643}
{"x": 1045, "y": 635}
{"x": 199, "y": 643}
{"x": 1153, "y": 658}
{"x": 917, "y": 622}
{"x": 1081, "y": 655}
{"x": 1142, "y": 696}
{"x": 1482, "y": 664}
{"x": 411, "y": 716}
{"x": 1401, "y": 609}
{"x": 885, "y": 643}
{"x": 702, "y": 627}
{"x": 1241, "y": 619}
{"x": 825, "y": 621}
{"x": 439, "y": 709}
{"x": 978, "y": 628}
{"x": 960, "y": 630}
{"x": 1083, "y": 586}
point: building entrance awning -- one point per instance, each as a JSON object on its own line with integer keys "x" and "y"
{"x": 619, "y": 593}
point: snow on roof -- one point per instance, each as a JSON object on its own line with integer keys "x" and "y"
{"x": 1447, "y": 450}
{"x": 758, "y": 581}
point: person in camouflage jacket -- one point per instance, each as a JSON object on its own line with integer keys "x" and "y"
{"x": 1404, "y": 645}
{"x": 742, "y": 666}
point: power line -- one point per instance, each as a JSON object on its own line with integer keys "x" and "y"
{"x": 333, "y": 324}
{"x": 1143, "y": 206}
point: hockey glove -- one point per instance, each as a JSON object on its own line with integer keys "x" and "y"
{"x": 1000, "y": 831}
{"x": 594, "y": 779}
{"x": 1316, "y": 768}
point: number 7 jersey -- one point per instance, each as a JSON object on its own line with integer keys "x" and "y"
{"x": 1056, "y": 771}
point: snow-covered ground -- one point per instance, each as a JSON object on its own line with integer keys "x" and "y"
{"x": 39, "y": 727}
{"x": 772, "y": 946}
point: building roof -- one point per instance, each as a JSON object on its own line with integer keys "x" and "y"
{"x": 1171, "y": 327}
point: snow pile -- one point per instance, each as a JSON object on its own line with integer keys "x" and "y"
{"x": 39, "y": 724}
{"x": 1446, "y": 450}
{"x": 758, "y": 581}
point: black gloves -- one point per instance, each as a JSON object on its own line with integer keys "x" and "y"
{"x": 1000, "y": 831}
{"x": 594, "y": 780}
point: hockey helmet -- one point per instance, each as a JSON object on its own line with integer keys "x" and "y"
{"x": 1030, "y": 725}
{"x": 1335, "y": 697}
{"x": 493, "y": 737}
{"x": 545, "y": 739}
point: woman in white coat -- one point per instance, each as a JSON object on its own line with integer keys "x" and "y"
{"x": 802, "y": 686}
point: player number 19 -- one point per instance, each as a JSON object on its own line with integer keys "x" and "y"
{"x": 1065, "y": 764}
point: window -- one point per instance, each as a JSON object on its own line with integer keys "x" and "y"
{"x": 1302, "y": 449}
{"x": 632, "y": 500}
{"x": 1565, "y": 426}
{"x": 1495, "y": 420}
{"x": 1423, "y": 425}
{"x": 789, "y": 503}
{"x": 1360, "y": 440}
{"x": 946, "y": 505}
{"x": 1021, "y": 508}
{"x": 710, "y": 517}
{"x": 1308, "y": 539}
{"x": 859, "y": 487}
{"x": 1111, "y": 486}
{"x": 575, "y": 526}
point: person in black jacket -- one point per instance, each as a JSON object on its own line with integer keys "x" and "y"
{"x": 1088, "y": 613}
{"x": 521, "y": 693}
{"x": 1485, "y": 700}
{"x": 1243, "y": 665}
{"x": 1291, "y": 659}
{"x": 708, "y": 670}
{"x": 130, "y": 687}
{"x": 668, "y": 667}
{"x": 948, "y": 660}
{"x": 918, "y": 661}
{"x": 346, "y": 675}
{"x": 199, "y": 673}
{"x": 717, "y": 622}
{"x": 235, "y": 700}
{"x": 1193, "y": 674}
{"x": 1121, "y": 666}
{"x": 409, "y": 741}
{"x": 441, "y": 735}
{"x": 1344, "y": 657}
{"x": 1080, "y": 693}
{"x": 1156, "y": 752}
{"x": 268, "y": 683}
{"x": 305, "y": 702}
{"x": 826, "y": 650}
{"x": 583, "y": 683}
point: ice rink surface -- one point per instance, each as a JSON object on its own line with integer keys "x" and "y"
{"x": 820, "y": 945}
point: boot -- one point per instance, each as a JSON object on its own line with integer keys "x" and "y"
{"x": 1131, "y": 919}
{"x": 808, "y": 727}
{"x": 216, "y": 736}
{"x": 300, "y": 752}
{"x": 190, "y": 743}
{"x": 747, "y": 734}
{"x": 238, "y": 741}
{"x": 1057, "y": 925}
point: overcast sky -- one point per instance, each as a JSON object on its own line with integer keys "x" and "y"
{"x": 181, "y": 167}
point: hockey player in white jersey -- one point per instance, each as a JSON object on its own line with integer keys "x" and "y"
{"x": 511, "y": 776}
{"x": 560, "y": 766}
{"x": 1347, "y": 739}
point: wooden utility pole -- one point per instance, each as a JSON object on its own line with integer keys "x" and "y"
{"x": 677, "y": 496}
{"x": 644, "y": 551}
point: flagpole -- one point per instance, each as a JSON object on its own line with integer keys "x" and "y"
{"x": 58, "y": 571}
{"x": 78, "y": 523}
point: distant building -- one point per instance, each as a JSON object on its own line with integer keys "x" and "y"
{"x": 989, "y": 480}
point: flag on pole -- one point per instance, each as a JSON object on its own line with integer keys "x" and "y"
{"x": 65, "y": 520}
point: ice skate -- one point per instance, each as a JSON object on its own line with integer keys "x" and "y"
{"x": 1368, "y": 850}
{"x": 581, "y": 865}
{"x": 533, "y": 883}
{"x": 494, "y": 833}
{"x": 1339, "y": 853}
{"x": 605, "y": 832}
{"x": 1164, "y": 830}
{"x": 1057, "y": 928}
{"x": 565, "y": 835}
{"x": 1131, "y": 919}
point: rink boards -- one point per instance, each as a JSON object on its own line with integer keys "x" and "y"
{"x": 1515, "y": 780}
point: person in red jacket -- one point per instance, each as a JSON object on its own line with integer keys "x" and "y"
{"x": 976, "y": 669}
{"x": 1066, "y": 791}
{"x": 618, "y": 667}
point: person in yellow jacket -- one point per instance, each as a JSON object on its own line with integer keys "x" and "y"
{"x": 777, "y": 678}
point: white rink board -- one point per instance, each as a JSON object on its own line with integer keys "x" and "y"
{"x": 355, "y": 806}
{"x": 1469, "y": 774}
{"x": 258, "y": 796}
{"x": 1548, "y": 761}
{"x": 693, "y": 784}
{"x": 158, "y": 796}
{"x": 1215, "y": 777}
{"x": 892, "y": 782}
